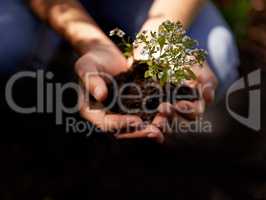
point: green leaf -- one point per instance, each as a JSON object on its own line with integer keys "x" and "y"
{"x": 191, "y": 74}
{"x": 164, "y": 77}
{"x": 174, "y": 47}
{"x": 190, "y": 43}
{"x": 153, "y": 34}
{"x": 161, "y": 41}
{"x": 147, "y": 74}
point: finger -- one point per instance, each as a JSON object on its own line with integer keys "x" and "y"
{"x": 106, "y": 122}
{"x": 149, "y": 132}
{"x": 191, "y": 83}
{"x": 208, "y": 91}
{"x": 190, "y": 110}
{"x": 167, "y": 126}
{"x": 163, "y": 123}
{"x": 92, "y": 79}
{"x": 96, "y": 86}
{"x": 187, "y": 109}
{"x": 118, "y": 121}
{"x": 166, "y": 109}
{"x": 110, "y": 122}
{"x": 207, "y": 82}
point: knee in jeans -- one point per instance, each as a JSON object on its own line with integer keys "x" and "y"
{"x": 223, "y": 54}
{"x": 223, "y": 51}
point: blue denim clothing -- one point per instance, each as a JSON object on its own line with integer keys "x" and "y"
{"x": 18, "y": 33}
{"x": 23, "y": 36}
{"x": 213, "y": 34}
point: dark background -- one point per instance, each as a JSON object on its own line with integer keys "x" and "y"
{"x": 39, "y": 160}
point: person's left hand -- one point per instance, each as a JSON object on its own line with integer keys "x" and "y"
{"x": 184, "y": 110}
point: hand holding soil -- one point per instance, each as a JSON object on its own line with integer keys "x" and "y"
{"x": 139, "y": 100}
{"x": 93, "y": 69}
{"x": 101, "y": 59}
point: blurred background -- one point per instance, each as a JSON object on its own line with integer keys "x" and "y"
{"x": 39, "y": 160}
{"x": 247, "y": 20}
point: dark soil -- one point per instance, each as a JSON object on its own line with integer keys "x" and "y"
{"x": 134, "y": 93}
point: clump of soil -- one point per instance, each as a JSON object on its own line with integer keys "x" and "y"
{"x": 134, "y": 92}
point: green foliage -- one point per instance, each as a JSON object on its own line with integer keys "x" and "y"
{"x": 124, "y": 42}
{"x": 169, "y": 53}
{"x": 236, "y": 14}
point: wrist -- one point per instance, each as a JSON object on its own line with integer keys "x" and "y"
{"x": 83, "y": 37}
{"x": 152, "y": 23}
{"x": 69, "y": 19}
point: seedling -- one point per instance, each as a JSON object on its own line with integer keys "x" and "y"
{"x": 163, "y": 61}
{"x": 168, "y": 52}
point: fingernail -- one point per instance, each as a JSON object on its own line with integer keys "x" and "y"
{"x": 209, "y": 93}
{"x": 151, "y": 135}
{"x": 201, "y": 107}
{"x": 98, "y": 93}
{"x": 184, "y": 108}
{"x": 136, "y": 124}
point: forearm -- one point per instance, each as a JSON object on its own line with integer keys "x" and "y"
{"x": 174, "y": 10}
{"x": 71, "y": 20}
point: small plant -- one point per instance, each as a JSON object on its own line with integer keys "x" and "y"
{"x": 169, "y": 52}
{"x": 163, "y": 60}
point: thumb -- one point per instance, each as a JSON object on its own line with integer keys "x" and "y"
{"x": 96, "y": 86}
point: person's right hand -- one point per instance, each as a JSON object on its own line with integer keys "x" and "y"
{"x": 102, "y": 60}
